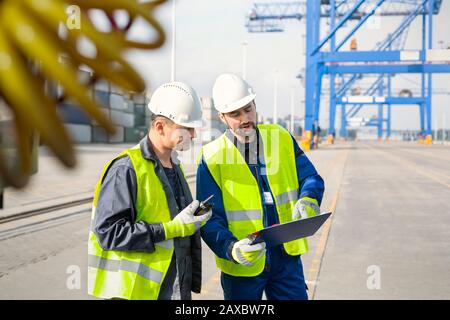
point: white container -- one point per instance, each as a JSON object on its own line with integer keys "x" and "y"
{"x": 80, "y": 133}
{"x": 102, "y": 98}
{"x": 102, "y": 85}
{"x": 138, "y": 98}
{"x": 129, "y": 106}
{"x": 114, "y": 89}
{"x": 122, "y": 119}
{"x": 117, "y": 102}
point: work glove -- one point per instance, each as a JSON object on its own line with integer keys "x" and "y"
{"x": 185, "y": 223}
{"x": 245, "y": 253}
{"x": 305, "y": 208}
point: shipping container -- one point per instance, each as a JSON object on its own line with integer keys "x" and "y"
{"x": 123, "y": 119}
{"x": 135, "y": 134}
{"x": 99, "y": 135}
{"x": 139, "y": 120}
{"x": 102, "y": 85}
{"x": 102, "y": 98}
{"x": 118, "y": 137}
{"x": 71, "y": 113}
{"x": 139, "y": 109}
{"x": 129, "y": 106}
{"x": 138, "y": 98}
{"x": 117, "y": 102}
{"x": 115, "y": 89}
{"x": 80, "y": 133}
{"x": 106, "y": 112}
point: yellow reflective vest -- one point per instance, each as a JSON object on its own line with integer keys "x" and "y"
{"x": 242, "y": 195}
{"x": 132, "y": 275}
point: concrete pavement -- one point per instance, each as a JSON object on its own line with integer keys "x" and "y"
{"x": 387, "y": 239}
{"x": 390, "y": 235}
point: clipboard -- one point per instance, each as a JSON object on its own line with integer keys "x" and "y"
{"x": 281, "y": 233}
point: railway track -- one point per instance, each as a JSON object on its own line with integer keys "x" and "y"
{"x": 41, "y": 218}
{"x": 39, "y": 211}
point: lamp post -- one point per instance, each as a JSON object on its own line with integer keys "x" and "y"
{"x": 275, "y": 97}
{"x": 174, "y": 26}
{"x": 292, "y": 108}
{"x": 244, "y": 59}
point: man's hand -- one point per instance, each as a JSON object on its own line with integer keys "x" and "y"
{"x": 245, "y": 253}
{"x": 305, "y": 208}
{"x": 185, "y": 223}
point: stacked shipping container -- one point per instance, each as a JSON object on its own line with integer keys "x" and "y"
{"x": 126, "y": 111}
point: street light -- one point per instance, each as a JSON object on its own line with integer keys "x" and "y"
{"x": 174, "y": 25}
{"x": 292, "y": 108}
{"x": 275, "y": 97}
{"x": 244, "y": 59}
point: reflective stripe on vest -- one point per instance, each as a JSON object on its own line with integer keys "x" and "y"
{"x": 132, "y": 275}
{"x": 240, "y": 215}
{"x": 287, "y": 197}
{"x": 125, "y": 265}
{"x": 242, "y": 196}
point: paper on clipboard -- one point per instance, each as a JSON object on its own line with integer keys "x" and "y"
{"x": 281, "y": 233}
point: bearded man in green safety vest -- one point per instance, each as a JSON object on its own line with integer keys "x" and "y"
{"x": 144, "y": 241}
{"x": 259, "y": 177}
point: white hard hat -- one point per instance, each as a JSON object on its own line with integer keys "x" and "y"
{"x": 231, "y": 92}
{"x": 178, "y": 102}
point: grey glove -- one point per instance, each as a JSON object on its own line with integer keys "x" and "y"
{"x": 245, "y": 253}
{"x": 185, "y": 223}
{"x": 304, "y": 208}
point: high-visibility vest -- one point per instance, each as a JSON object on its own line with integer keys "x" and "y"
{"x": 242, "y": 196}
{"x": 132, "y": 275}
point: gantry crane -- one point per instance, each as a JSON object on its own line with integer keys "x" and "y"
{"x": 385, "y": 60}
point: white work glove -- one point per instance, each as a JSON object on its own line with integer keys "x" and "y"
{"x": 245, "y": 253}
{"x": 305, "y": 208}
{"x": 185, "y": 223}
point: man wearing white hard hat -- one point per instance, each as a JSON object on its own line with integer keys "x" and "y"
{"x": 144, "y": 241}
{"x": 259, "y": 177}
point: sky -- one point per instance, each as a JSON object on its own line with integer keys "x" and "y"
{"x": 209, "y": 41}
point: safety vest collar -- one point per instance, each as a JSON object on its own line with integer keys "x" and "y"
{"x": 148, "y": 152}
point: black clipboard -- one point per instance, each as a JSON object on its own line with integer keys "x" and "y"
{"x": 281, "y": 233}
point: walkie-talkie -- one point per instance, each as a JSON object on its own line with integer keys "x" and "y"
{"x": 204, "y": 206}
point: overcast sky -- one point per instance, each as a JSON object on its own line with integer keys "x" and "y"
{"x": 209, "y": 42}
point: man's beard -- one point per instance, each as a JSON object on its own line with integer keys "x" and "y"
{"x": 247, "y": 135}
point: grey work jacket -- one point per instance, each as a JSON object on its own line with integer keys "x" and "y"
{"x": 116, "y": 228}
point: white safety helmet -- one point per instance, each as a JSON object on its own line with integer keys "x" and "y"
{"x": 178, "y": 102}
{"x": 231, "y": 92}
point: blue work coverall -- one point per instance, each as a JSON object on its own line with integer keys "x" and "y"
{"x": 282, "y": 278}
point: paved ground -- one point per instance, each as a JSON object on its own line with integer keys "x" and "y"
{"x": 389, "y": 228}
{"x": 390, "y": 235}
